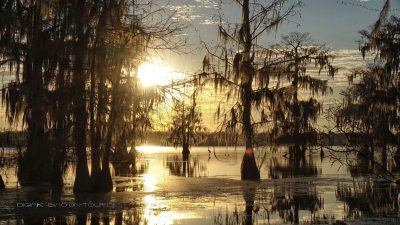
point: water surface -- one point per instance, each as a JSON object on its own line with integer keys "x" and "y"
{"x": 206, "y": 189}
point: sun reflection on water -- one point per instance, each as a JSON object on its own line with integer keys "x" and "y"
{"x": 150, "y": 182}
{"x": 156, "y": 212}
{"x": 154, "y": 149}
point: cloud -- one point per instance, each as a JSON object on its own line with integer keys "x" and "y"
{"x": 197, "y": 11}
{"x": 210, "y": 4}
{"x": 184, "y": 12}
{"x": 209, "y": 22}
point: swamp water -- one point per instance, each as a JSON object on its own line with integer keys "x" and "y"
{"x": 163, "y": 189}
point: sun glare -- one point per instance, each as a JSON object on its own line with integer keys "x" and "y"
{"x": 154, "y": 74}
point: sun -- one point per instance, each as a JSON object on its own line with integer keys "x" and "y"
{"x": 154, "y": 74}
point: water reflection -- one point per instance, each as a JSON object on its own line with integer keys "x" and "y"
{"x": 126, "y": 163}
{"x": 282, "y": 203}
{"x": 150, "y": 182}
{"x": 186, "y": 166}
{"x": 292, "y": 191}
{"x": 243, "y": 214}
{"x": 260, "y": 205}
{"x": 368, "y": 197}
{"x": 158, "y": 212}
{"x": 97, "y": 209}
{"x": 249, "y": 196}
{"x": 289, "y": 200}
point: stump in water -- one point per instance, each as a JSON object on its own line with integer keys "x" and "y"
{"x": 2, "y": 185}
{"x": 249, "y": 169}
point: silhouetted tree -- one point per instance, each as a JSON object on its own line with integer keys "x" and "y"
{"x": 132, "y": 121}
{"x": 78, "y": 61}
{"x": 369, "y": 115}
{"x": 186, "y": 127}
{"x": 243, "y": 66}
{"x": 123, "y": 38}
{"x": 36, "y": 45}
{"x": 293, "y": 110}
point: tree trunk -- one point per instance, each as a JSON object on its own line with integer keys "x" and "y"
{"x": 2, "y": 185}
{"x": 105, "y": 183}
{"x": 397, "y": 156}
{"x": 94, "y": 141}
{"x": 384, "y": 156}
{"x": 119, "y": 218}
{"x": 81, "y": 219}
{"x": 249, "y": 169}
{"x": 296, "y": 106}
{"x": 33, "y": 165}
{"x": 82, "y": 178}
{"x": 296, "y": 213}
{"x": 57, "y": 181}
{"x": 60, "y": 130}
{"x": 106, "y": 218}
{"x": 185, "y": 151}
{"x": 95, "y": 220}
{"x": 95, "y": 125}
{"x": 363, "y": 158}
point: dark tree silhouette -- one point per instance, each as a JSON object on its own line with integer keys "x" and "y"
{"x": 78, "y": 61}
{"x": 369, "y": 115}
{"x": 35, "y": 46}
{"x": 186, "y": 129}
{"x": 243, "y": 67}
{"x": 294, "y": 110}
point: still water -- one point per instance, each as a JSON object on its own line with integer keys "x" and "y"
{"x": 163, "y": 189}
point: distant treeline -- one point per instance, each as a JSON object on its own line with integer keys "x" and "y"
{"x": 221, "y": 139}
{"x": 158, "y": 138}
{"x": 207, "y": 139}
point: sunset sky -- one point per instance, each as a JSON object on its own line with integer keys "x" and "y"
{"x": 335, "y": 23}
